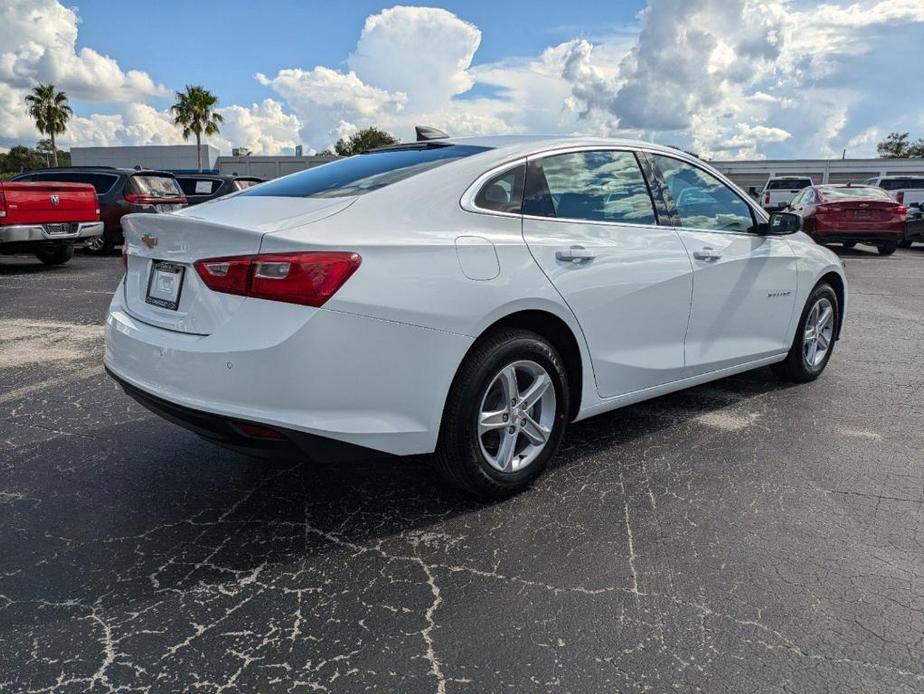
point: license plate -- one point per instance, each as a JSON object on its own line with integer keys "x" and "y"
{"x": 166, "y": 207}
{"x": 57, "y": 229}
{"x": 863, "y": 214}
{"x": 165, "y": 284}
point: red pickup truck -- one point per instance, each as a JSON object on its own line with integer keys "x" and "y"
{"x": 47, "y": 219}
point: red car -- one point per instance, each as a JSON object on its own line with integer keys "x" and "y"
{"x": 851, "y": 214}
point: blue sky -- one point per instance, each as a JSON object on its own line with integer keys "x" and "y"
{"x": 286, "y": 33}
{"x": 725, "y": 78}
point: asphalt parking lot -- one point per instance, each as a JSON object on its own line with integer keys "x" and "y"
{"x": 741, "y": 536}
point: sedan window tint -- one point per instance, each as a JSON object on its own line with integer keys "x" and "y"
{"x": 363, "y": 173}
{"x": 602, "y": 186}
{"x": 702, "y": 200}
{"x": 504, "y": 192}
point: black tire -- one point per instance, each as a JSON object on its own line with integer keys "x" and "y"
{"x": 888, "y": 248}
{"x": 904, "y": 244}
{"x": 460, "y": 458}
{"x": 849, "y": 244}
{"x": 102, "y": 245}
{"x": 795, "y": 367}
{"x": 55, "y": 255}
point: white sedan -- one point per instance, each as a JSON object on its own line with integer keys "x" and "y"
{"x": 467, "y": 297}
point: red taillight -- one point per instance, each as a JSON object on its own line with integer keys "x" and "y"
{"x": 900, "y": 196}
{"x": 309, "y": 278}
{"x": 2, "y": 205}
{"x": 902, "y": 210}
{"x": 825, "y": 209}
{"x": 767, "y": 198}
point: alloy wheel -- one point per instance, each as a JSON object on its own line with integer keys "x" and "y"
{"x": 517, "y": 415}
{"x": 819, "y": 332}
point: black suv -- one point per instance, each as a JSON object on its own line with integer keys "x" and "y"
{"x": 204, "y": 187}
{"x": 120, "y": 192}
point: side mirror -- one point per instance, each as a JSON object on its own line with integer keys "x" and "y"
{"x": 782, "y": 223}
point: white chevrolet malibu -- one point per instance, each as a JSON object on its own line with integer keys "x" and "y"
{"x": 467, "y": 297}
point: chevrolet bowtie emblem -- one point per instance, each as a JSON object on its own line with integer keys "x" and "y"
{"x": 149, "y": 241}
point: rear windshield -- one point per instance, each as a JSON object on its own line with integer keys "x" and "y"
{"x": 242, "y": 183}
{"x": 788, "y": 184}
{"x": 199, "y": 186}
{"x": 101, "y": 182}
{"x": 854, "y": 192}
{"x": 902, "y": 183}
{"x": 156, "y": 186}
{"x": 363, "y": 173}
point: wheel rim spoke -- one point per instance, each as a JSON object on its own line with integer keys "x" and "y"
{"x": 534, "y": 432}
{"x": 818, "y": 333}
{"x": 514, "y": 427}
{"x": 535, "y": 391}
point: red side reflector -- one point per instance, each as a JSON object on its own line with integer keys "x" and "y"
{"x": 309, "y": 278}
{"x": 257, "y": 431}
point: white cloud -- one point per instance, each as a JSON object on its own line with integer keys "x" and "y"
{"x": 423, "y": 52}
{"x": 38, "y": 40}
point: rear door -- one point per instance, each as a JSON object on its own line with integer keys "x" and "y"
{"x": 590, "y": 223}
{"x": 744, "y": 283}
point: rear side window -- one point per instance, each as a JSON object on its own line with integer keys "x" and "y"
{"x": 198, "y": 186}
{"x": 101, "y": 182}
{"x": 600, "y": 186}
{"x": 788, "y": 184}
{"x": 156, "y": 186}
{"x": 504, "y": 192}
{"x": 363, "y": 173}
{"x": 701, "y": 199}
{"x": 902, "y": 184}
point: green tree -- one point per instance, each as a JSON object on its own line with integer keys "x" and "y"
{"x": 20, "y": 159}
{"x": 47, "y": 149}
{"x": 194, "y": 112}
{"x": 363, "y": 141}
{"x": 50, "y": 111}
{"x": 898, "y": 146}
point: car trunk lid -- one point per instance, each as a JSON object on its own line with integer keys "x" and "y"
{"x": 162, "y": 287}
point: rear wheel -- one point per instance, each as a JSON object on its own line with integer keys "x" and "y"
{"x": 811, "y": 349}
{"x": 55, "y": 255}
{"x": 505, "y": 415}
{"x": 888, "y": 248}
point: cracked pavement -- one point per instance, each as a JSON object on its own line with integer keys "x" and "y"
{"x": 741, "y": 536}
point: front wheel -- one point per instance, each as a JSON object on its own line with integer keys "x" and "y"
{"x": 888, "y": 248}
{"x": 811, "y": 349}
{"x": 55, "y": 255}
{"x": 505, "y": 415}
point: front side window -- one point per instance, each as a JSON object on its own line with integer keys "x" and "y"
{"x": 598, "y": 186}
{"x": 504, "y": 192}
{"x": 702, "y": 200}
{"x": 363, "y": 173}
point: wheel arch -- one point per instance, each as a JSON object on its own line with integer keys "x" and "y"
{"x": 840, "y": 291}
{"x": 558, "y": 332}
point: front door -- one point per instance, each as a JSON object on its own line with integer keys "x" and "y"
{"x": 744, "y": 283}
{"x": 590, "y": 223}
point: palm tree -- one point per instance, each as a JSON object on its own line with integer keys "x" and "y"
{"x": 50, "y": 111}
{"x": 193, "y": 111}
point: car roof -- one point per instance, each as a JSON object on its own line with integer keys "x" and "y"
{"x": 98, "y": 169}
{"x": 894, "y": 176}
{"x": 521, "y": 145}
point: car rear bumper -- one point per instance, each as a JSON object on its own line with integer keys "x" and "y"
{"x": 22, "y": 233}
{"x": 363, "y": 381}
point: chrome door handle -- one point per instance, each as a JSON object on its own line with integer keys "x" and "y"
{"x": 575, "y": 254}
{"x": 707, "y": 253}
